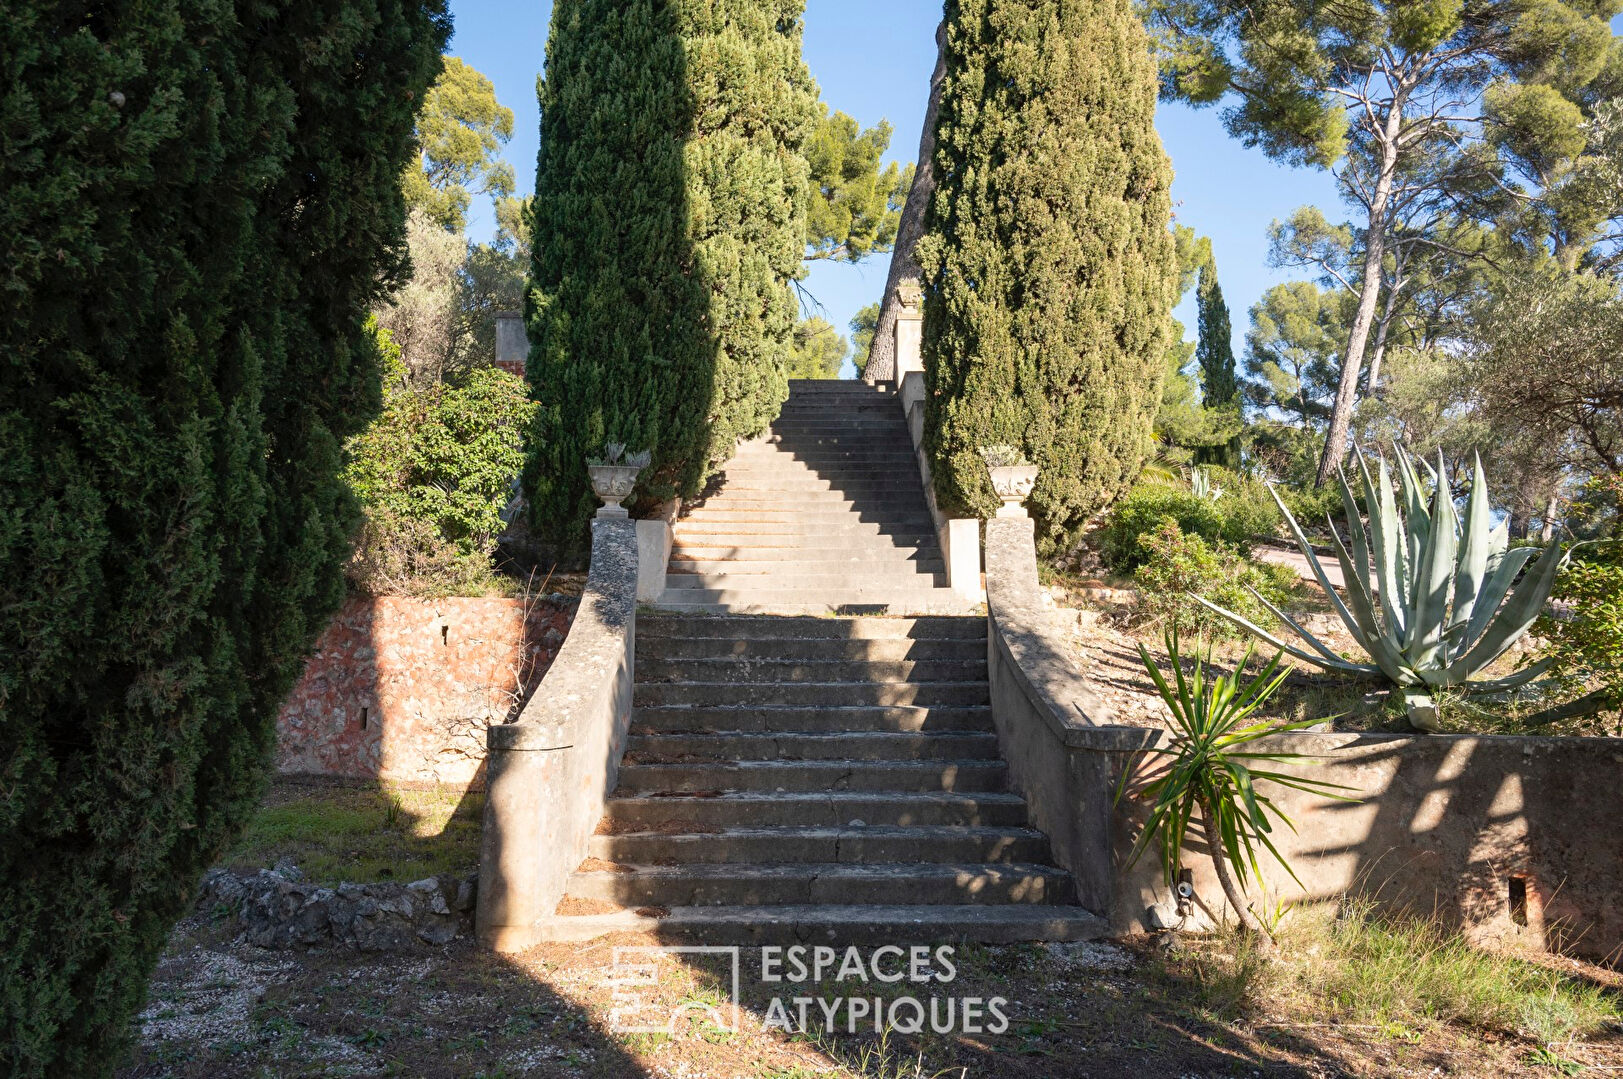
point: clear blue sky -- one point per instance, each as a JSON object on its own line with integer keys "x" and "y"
{"x": 873, "y": 59}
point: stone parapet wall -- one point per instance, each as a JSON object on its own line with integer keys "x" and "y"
{"x": 402, "y": 690}
{"x": 1514, "y": 840}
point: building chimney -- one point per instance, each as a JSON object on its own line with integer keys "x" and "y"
{"x": 512, "y": 344}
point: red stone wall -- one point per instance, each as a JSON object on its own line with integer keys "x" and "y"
{"x": 402, "y": 690}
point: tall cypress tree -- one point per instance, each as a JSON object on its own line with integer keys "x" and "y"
{"x": 669, "y": 221}
{"x": 201, "y": 203}
{"x": 1049, "y": 263}
{"x": 1220, "y": 386}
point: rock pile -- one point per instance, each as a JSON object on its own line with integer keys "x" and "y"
{"x": 277, "y": 908}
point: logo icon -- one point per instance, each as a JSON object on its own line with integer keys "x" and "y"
{"x": 652, "y": 992}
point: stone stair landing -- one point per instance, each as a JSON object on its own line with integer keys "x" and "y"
{"x": 826, "y": 513}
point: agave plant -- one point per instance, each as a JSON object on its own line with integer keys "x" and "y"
{"x": 1202, "y": 487}
{"x": 1213, "y": 765}
{"x": 1432, "y": 598}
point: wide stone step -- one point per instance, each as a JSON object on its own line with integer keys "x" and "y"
{"x": 877, "y": 925}
{"x": 835, "y": 775}
{"x": 800, "y": 479}
{"x": 777, "y": 461}
{"x": 945, "y": 843}
{"x": 771, "y": 559}
{"x": 713, "y": 813}
{"x": 810, "y": 694}
{"x": 834, "y": 448}
{"x": 849, "y": 533}
{"x": 753, "y": 669}
{"x": 813, "y": 501}
{"x": 811, "y": 601}
{"x": 912, "y": 518}
{"x": 749, "y": 718}
{"x": 881, "y": 650}
{"x": 824, "y": 883}
{"x": 811, "y": 745}
{"x": 750, "y": 627}
{"x": 807, "y": 579}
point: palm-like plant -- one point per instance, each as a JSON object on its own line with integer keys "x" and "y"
{"x": 1444, "y": 600}
{"x": 1211, "y": 767}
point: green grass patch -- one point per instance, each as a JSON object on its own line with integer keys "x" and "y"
{"x": 363, "y": 834}
{"x": 1394, "y": 973}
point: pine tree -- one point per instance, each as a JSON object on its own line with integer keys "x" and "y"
{"x": 1220, "y": 387}
{"x": 665, "y": 238}
{"x": 1049, "y": 265}
{"x": 201, "y": 203}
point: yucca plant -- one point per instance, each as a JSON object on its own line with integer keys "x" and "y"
{"x": 1210, "y": 766}
{"x": 1443, "y": 600}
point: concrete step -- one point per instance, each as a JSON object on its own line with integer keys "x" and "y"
{"x": 833, "y": 464}
{"x": 749, "y": 718}
{"x": 870, "y": 650}
{"x": 850, "y": 534}
{"x": 820, "y": 501}
{"x": 836, "y": 775}
{"x": 851, "y": 846}
{"x": 693, "y": 627}
{"x": 876, "y": 925}
{"x": 771, "y": 559}
{"x": 712, "y": 813}
{"x": 804, "y": 745}
{"x": 832, "y": 448}
{"x": 824, "y": 883}
{"x": 750, "y": 669}
{"x": 811, "y": 602}
{"x": 912, "y": 518}
{"x": 792, "y": 575}
{"x": 810, "y": 694}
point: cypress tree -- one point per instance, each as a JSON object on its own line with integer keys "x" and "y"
{"x": 669, "y": 221}
{"x": 1048, "y": 262}
{"x": 201, "y": 203}
{"x": 1220, "y": 386}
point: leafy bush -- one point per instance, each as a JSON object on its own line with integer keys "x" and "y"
{"x": 1244, "y": 512}
{"x": 433, "y": 475}
{"x": 1310, "y": 505}
{"x": 200, "y": 203}
{"x": 1177, "y": 564}
{"x": 1588, "y": 643}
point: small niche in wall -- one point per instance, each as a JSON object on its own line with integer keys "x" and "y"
{"x": 365, "y": 718}
{"x": 1518, "y": 900}
{"x": 445, "y": 634}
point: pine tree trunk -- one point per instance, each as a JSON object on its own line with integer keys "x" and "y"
{"x": 1372, "y": 384}
{"x": 1352, "y": 361}
{"x": 1231, "y": 890}
{"x": 882, "y": 353}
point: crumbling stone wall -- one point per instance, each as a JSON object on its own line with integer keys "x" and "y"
{"x": 402, "y": 690}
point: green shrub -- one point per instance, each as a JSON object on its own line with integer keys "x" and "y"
{"x": 433, "y": 474}
{"x": 1177, "y": 564}
{"x": 1048, "y": 261}
{"x": 1235, "y": 518}
{"x": 200, "y": 204}
{"x": 1311, "y": 505}
{"x": 669, "y": 219}
{"x": 1588, "y": 640}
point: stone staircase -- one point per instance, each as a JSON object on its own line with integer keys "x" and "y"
{"x": 797, "y": 779}
{"x": 827, "y": 513}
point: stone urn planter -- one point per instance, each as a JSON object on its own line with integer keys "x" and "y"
{"x": 1013, "y": 477}
{"x": 614, "y": 478}
{"x": 613, "y": 484}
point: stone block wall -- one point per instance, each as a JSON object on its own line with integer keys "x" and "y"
{"x": 402, "y": 690}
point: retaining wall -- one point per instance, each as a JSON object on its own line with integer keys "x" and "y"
{"x": 1514, "y": 840}
{"x": 402, "y": 690}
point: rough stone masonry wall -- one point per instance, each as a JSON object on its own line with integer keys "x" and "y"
{"x": 402, "y": 690}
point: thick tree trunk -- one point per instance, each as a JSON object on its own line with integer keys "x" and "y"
{"x": 1352, "y": 361}
{"x": 1372, "y": 384}
{"x": 882, "y": 353}
{"x": 1547, "y": 531}
{"x": 1231, "y": 890}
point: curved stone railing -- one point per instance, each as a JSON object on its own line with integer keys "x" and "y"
{"x": 1493, "y": 834}
{"x": 549, "y": 773}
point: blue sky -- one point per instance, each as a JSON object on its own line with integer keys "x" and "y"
{"x": 873, "y": 59}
